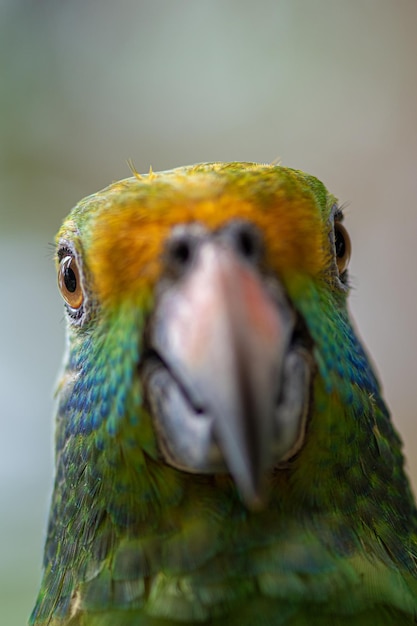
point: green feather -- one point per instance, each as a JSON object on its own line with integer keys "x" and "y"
{"x": 134, "y": 541}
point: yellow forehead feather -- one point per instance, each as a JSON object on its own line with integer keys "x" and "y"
{"x": 123, "y": 228}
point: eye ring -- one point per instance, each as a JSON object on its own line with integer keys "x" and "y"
{"x": 69, "y": 282}
{"x": 342, "y": 247}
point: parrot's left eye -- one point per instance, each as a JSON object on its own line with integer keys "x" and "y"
{"x": 69, "y": 282}
{"x": 342, "y": 247}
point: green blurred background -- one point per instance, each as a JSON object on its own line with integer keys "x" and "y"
{"x": 327, "y": 86}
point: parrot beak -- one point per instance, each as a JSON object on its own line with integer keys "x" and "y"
{"x": 221, "y": 356}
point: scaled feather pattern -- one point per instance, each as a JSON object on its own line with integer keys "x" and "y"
{"x": 223, "y": 452}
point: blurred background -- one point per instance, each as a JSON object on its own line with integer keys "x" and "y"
{"x": 327, "y": 86}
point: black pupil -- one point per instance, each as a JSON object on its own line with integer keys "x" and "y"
{"x": 339, "y": 243}
{"x": 70, "y": 279}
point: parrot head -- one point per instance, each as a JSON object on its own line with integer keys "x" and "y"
{"x": 216, "y": 266}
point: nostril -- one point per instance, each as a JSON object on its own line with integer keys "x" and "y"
{"x": 246, "y": 240}
{"x": 181, "y": 247}
{"x": 246, "y": 243}
{"x": 180, "y": 251}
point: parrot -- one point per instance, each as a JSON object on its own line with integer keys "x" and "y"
{"x": 223, "y": 451}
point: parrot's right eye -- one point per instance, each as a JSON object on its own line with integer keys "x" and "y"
{"x": 69, "y": 282}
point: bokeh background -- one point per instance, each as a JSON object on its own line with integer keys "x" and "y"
{"x": 327, "y": 86}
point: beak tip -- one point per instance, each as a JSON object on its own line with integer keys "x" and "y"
{"x": 254, "y": 496}
{"x": 256, "y": 502}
